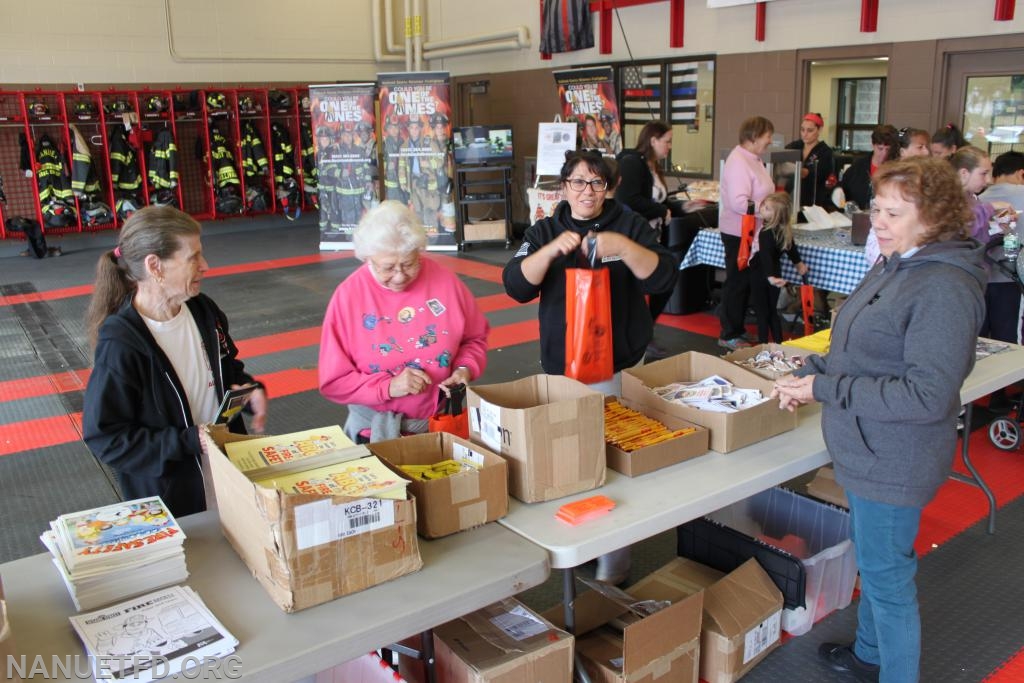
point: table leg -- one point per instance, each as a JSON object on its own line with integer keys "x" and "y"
{"x": 975, "y": 478}
{"x": 568, "y": 604}
{"x": 424, "y": 654}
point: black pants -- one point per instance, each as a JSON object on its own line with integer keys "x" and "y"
{"x": 735, "y": 291}
{"x": 1002, "y": 312}
{"x": 765, "y": 299}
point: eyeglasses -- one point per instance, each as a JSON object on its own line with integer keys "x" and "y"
{"x": 579, "y": 184}
{"x": 390, "y": 269}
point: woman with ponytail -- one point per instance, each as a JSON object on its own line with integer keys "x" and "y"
{"x": 163, "y": 361}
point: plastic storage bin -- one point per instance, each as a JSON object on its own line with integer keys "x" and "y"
{"x": 803, "y": 544}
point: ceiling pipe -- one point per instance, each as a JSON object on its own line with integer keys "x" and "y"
{"x": 521, "y": 35}
{"x": 408, "y": 35}
{"x": 379, "y": 55}
{"x": 417, "y": 34}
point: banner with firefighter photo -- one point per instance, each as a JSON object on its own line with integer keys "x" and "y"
{"x": 588, "y": 98}
{"x": 346, "y": 158}
{"x": 415, "y": 114}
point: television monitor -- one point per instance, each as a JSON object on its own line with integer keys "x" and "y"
{"x": 482, "y": 144}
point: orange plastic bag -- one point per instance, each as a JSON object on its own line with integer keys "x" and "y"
{"x": 588, "y": 323}
{"x": 807, "y": 304}
{"x": 748, "y": 227}
{"x": 451, "y": 415}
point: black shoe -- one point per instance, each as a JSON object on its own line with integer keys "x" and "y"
{"x": 841, "y": 658}
{"x": 655, "y": 352}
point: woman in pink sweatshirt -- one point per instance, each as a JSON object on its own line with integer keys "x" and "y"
{"x": 744, "y": 181}
{"x": 397, "y": 329}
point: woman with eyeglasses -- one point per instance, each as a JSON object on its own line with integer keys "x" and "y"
{"x": 397, "y": 330}
{"x": 637, "y": 265}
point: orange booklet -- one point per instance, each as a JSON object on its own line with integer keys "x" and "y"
{"x": 580, "y": 511}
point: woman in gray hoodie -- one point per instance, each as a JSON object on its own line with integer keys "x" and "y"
{"x": 901, "y": 347}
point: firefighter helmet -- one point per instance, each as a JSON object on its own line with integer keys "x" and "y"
{"x": 216, "y": 100}
{"x": 279, "y": 99}
{"x": 438, "y": 119}
{"x": 247, "y": 105}
{"x": 606, "y": 115}
{"x": 38, "y": 108}
{"x": 324, "y": 132}
{"x": 155, "y": 104}
{"x": 164, "y": 198}
{"x": 392, "y": 120}
{"x": 118, "y": 107}
{"x": 84, "y": 108}
{"x": 305, "y": 103}
{"x": 364, "y": 127}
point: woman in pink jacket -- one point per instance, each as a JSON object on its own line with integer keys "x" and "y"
{"x": 397, "y": 329}
{"x": 745, "y": 181}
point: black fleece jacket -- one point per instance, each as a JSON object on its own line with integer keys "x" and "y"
{"x": 636, "y": 186}
{"x": 632, "y": 327}
{"x": 136, "y": 417}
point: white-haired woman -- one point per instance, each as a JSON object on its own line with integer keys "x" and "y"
{"x": 396, "y": 329}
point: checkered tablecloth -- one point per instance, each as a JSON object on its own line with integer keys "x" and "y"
{"x": 834, "y": 264}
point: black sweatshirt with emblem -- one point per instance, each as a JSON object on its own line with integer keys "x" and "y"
{"x": 632, "y": 327}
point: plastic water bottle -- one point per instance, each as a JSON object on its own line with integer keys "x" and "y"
{"x": 1011, "y": 242}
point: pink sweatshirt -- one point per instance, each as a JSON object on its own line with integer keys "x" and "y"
{"x": 744, "y": 179}
{"x": 371, "y": 334}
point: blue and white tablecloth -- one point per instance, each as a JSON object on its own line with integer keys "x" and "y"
{"x": 835, "y": 265}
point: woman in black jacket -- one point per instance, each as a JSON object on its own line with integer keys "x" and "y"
{"x": 856, "y": 181}
{"x": 642, "y": 188}
{"x": 817, "y": 177}
{"x": 163, "y": 361}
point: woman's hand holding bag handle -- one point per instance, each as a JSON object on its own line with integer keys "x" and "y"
{"x": 588, "y": 321}
{"x": 451, "y": 415}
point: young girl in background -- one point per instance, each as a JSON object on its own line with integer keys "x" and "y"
{"x": 774, "y": 239}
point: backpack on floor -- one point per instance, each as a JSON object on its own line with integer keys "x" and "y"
{"x": 33, "y": 234}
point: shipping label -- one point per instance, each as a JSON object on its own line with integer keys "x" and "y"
{"x": 762, "y": 636}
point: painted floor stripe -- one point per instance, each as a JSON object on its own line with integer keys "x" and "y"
{"x": 1010, "y": 671}
{"x": 43, "y": 385}
{"x": 220, "y": 271}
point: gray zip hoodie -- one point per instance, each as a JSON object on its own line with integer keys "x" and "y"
{"x": 901, "y": 347}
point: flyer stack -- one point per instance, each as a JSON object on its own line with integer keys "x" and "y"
{"x": 117, "y": 551}
{"x": 157, "y": 635}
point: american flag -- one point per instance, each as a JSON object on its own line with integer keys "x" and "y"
{"x": 641, "y": 93}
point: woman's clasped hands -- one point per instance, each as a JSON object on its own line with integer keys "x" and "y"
{"x": 793, "y": 392}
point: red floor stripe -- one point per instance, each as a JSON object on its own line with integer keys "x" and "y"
{"x": 959, "y": 506}
{"x": 39, "y": 433}
{"x": 256, "y": 266}
{"x": 514, "y": 333}
{"x": 1010, "y": 671}
{"x": 43, "y": 385}
{"x": 698, "y": 323}
{"x": 276, "y": 343}
{"x": 475, "y": 269}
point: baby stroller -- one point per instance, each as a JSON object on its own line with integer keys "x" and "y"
{"x": 1005, "y": 431}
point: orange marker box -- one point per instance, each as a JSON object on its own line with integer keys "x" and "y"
{"x": 580, "y": 511}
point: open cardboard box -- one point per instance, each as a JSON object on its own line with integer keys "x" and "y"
{"x": 308, "y": 549}
{"x": 768, "y": 373}
{"x": 456, "y": 503}
{"x": 650, "y": 458}
{"x": 7, "y": 649}
{"x": 741, "y": 618}
{"x": 505, "y": 642}
{"x": 729, "y": 431}
{"x": 550, "y": 429}
{"x": 825, "y": 487}
{"x": 618, "y": 644}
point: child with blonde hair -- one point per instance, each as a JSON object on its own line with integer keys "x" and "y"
{"x": 773, "y": 239}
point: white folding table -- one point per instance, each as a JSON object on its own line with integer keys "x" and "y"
{"x": 461, "y": 573}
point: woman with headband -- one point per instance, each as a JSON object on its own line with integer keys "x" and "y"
{"x": 817, "y": 176}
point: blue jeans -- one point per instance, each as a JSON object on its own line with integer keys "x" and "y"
{"x": 889, "y": 624}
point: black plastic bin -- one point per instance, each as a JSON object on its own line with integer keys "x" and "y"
{"x": 693, "y": 289}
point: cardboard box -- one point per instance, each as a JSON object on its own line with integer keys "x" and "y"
{"x": 741, "y": 619}
{"x": 619, "y": 645}
{"x": 825, "y": 487}
{"x": 767, "y": 373}
{"x": 650, "y": 458}
{"x": 729, "y": 431}
{"x": 502, "y": 643}
{"x": 550, "y": 429}
{"x": 7, "y": 648}
{"x": 452, "y": 504}
{"x": 289, "y": 541}
{"x": 480, "y": 230}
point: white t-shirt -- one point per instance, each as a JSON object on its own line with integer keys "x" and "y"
{"x": 179, "y": 338}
